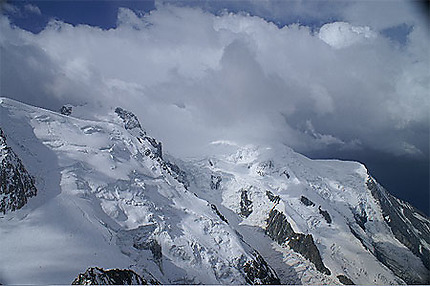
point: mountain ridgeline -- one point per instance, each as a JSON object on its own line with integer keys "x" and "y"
{"x": 249, "y": 215}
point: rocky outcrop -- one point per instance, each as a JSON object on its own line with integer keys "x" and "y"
{"x": 215, "y": 182}
{"x": 141, "y": 241}
{"x": 131, "y": 123}
{"x": 265, "y": 167}
{"x": 345, "y": 280}
{"x": 219, "y": 214}
{"x": 178, "y": 174}
{"x": 307, "y": 202}
{"x": 325, "y": 214}
{"x": 157, "y": 146}
{"x": 361, "y": 218}
{"x": 153, "y": 246}
{"x": 16, "y": 184}
{"x": 99, "y": 276}
{"x": 272, "y": 197}
{"x": 279, "y": 229}
{"x": 130, "y": 119}
{"x": 66, "y": 109}
{"x": 257, "y": 272}
{"x": 245, "y": 203}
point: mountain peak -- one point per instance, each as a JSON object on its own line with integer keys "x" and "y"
{"x": 243, "y": 215}
{"x": 130, "y": 119}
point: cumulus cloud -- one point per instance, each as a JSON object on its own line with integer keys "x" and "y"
{"x": 193, "y": 78}
{"x": 32, "y": 9}
{"x": 341, "y": 34}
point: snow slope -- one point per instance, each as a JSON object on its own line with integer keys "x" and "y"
{"x": 344, "y": 218}
{"x": 108, "y": 197}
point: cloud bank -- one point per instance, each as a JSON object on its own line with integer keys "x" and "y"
{"x": 194, "y": 77}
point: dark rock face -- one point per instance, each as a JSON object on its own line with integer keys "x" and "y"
{"x": 220, "y": 215}
{"x": 99, "y": 276}
{"x": 305, "y": 245}
{"x": 154, "y": 247}
{"x": 142, "y": 242}
{"x": 307, "y": 202}
{"x": 258, "y": 272}
{"x": 272, "y": 197}
{"x": 397, "y": 213}
{"x": 325, "y": 214}
{"x": 16, "y": 185}
{"x": 66, "y": 110}
{"x": 157, "y": 145}
{"x": 155, "y": 150}
{"x": 361, "y": 219}
{"x": 280, "y": 230}
{"x": 245, "y": 204}
{"x": 181, "y": 176}
{"x": 130, "y": 120}
{"x": 345, "y": 280}
{"x": 264, "y": 167}
{"x": 215, "y": 182}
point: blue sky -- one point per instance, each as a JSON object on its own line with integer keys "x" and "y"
{"x": 95, "y": 13}
{"x": 103, "y": 13}
{"x": 332, "y": 79}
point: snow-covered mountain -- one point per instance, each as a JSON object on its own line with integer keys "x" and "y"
{"x": 108, "y": 196}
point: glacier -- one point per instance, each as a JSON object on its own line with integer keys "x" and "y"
{"x": 109, "y": 197}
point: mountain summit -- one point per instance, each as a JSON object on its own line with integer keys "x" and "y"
{"x": 109, "y": 198}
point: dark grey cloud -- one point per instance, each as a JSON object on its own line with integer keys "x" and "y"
{"x": 25, "y": 72}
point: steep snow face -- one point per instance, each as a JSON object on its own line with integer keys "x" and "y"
{"x": 108, "y": 199}
{"x": 409, "y": 226}
{"x": 291, "y": 197}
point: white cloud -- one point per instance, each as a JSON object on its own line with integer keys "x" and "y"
{"x": 410, "y": 149}
{"x": 194, "y": 78}
{"x": 325, "y": 139}
{"x": 32, "y": 9}
{"x": 341, "y": 34}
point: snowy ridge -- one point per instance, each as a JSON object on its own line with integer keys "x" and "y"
{"x": 117, "y": 192}
{"x": 108, "y": 197}
{"x": 341, "y": 213}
